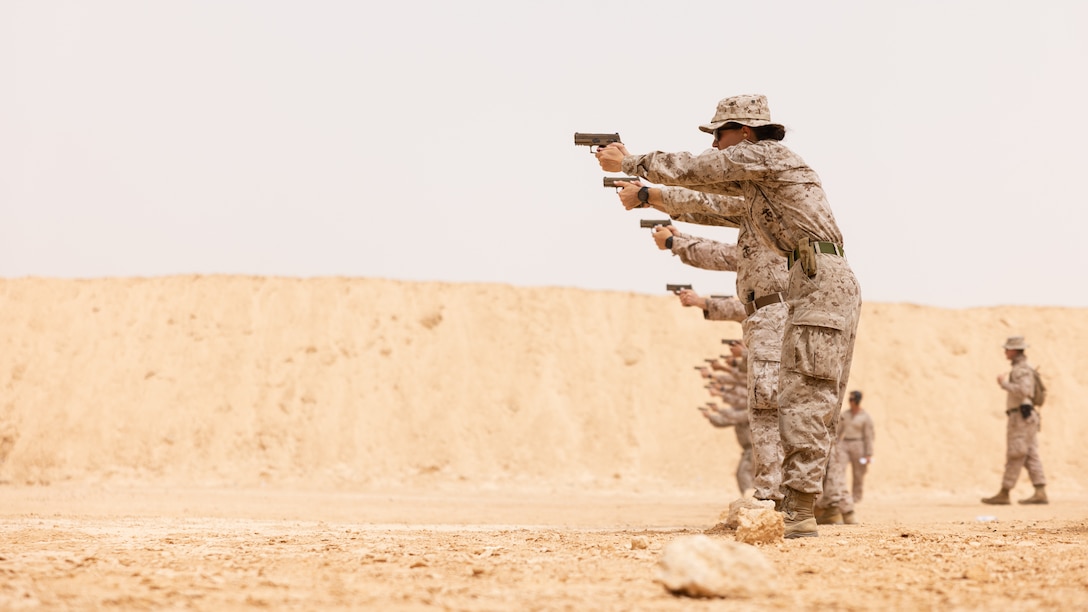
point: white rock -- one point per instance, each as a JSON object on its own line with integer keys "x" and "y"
{"x": 698, "y": 566}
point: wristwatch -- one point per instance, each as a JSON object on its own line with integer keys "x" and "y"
{"x": 644, "y": 197}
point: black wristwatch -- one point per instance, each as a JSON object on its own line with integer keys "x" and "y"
{"x": 644, "y": 197}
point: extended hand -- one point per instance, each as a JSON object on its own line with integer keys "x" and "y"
{"x": 661, "y": 234}
{"x": 690, "y": 298}
{"x": 629, "y": 194}
{"x": 611, "y": 157}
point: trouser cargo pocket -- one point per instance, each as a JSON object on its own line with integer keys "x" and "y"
{"x": 814, "y": 344}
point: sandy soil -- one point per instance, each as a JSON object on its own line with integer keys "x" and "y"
{"x": 78, "y": 548}
{"x": 334, "y": 443}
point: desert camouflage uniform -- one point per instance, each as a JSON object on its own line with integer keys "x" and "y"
{"x": 1022, "y": 442}
{"x": 760, "y": 272}
{"x": 785, "y": 203}
{"x": 835, "y": 494}
{"x": 855, "y": 442}
{"x": 738, "y": 417}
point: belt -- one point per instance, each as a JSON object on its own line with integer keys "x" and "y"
{"x": 763, "y": 300}
{"x": 853, "y": 439}
{"x": 820, "y": 247}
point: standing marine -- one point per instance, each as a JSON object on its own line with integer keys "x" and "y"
{"x": 1021, "y": 428}
{"x": 785, "y": 203}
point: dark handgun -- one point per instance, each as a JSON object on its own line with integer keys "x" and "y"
{"x": 595, "y": 140}
{"x": 651, "y": 223}
{"x": 610, "y": 181}
{"x": 676, "y": 288}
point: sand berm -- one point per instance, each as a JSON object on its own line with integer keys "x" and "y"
{"x": 355, "y": 383}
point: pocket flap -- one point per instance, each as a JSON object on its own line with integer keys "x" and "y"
{"x": 820, "y": 318}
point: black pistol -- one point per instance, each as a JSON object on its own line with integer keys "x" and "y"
{"x": 651, "y": 223}
{"x": 595, "y": 141}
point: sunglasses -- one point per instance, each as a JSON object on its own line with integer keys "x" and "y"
{"x": 718, "y": 132}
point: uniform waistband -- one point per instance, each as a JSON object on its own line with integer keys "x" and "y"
{"x": 853, "y": 439}
{"x": 763, "y": 300}
{"x": 820, "y": 247}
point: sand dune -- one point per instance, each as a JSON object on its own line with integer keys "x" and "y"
{"x": 355, "y": 383}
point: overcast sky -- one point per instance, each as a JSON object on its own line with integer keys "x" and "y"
{"x": 433, "y": 140}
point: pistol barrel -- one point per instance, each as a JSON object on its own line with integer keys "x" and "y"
{"x": 595, "y": 140}
{"x": 651, "y": 223}
{"x": 610, "y": 181}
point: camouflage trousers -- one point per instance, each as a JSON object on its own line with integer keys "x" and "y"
{"x": 745, "y": 473}
{"x": 852, "y": 452}
{"x": 763, "y": 337}
{"x": 817, "y": 350}
{"x": 1022, "y": 450}
{"x": 836, "y": 494}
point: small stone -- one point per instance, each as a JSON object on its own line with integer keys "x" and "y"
{"x": 745, "y": 503}
{"x": 698, "y": 566}
{"x": 759, "y": 525}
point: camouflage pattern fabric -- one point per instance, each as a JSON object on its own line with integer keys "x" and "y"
{"x": 760, "y": 271}
{"x": 835, "y": 492}
{"x": 785, "y": 203}
{"x": 1021, "y": 435}
{"x": 856, "y": 442}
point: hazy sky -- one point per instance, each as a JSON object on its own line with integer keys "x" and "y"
{"x": 433, "y": 140}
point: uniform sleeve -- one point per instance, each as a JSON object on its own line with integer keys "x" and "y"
{"x": 681, "y": 200}
{"x": 724, "y": 309}
{"x": 727, "y": 378}
{"x": 705, "y": 253}
{"x": 716, "y": 171}
{"x": 728, "y": 417}
{"x": 1020, "y": 385}
{"x": 707, "y": 219}
{"x": 736, "y": 397}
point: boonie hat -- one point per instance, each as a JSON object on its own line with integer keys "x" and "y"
{"x": 750, "y": 110}
{"x": 1015, "y": 343}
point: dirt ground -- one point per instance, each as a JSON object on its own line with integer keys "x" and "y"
{"x": 106, "y": 547}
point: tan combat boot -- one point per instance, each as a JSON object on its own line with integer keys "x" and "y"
{"x": 1038, "y": 498}
{"x": 829, "y": 516}
{"x": 848, "y": 518}
{"x": 797, "y": 514}
{"x": 1001, "y": 499}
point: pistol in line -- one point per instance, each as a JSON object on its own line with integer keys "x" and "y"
{"x": 595, "y": 141}
{"x": 610, "y": 181}
{"x": 651, "y": 223}
{"x": 676, "y": 288}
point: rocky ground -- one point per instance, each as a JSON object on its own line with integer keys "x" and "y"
{"x": 80, "y": 547}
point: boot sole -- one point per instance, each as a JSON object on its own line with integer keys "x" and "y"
{"x": 802, "y": 534}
